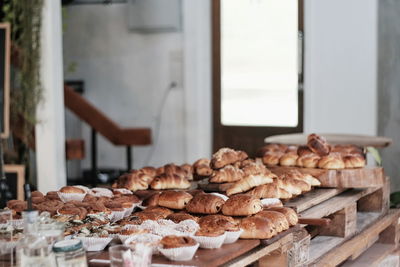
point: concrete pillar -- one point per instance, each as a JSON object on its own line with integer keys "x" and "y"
{"x": 50, "y": 134}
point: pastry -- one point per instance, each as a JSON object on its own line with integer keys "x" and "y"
{"x": 203, "y": 203}
{"x": 271, "y": 202}
{"x": 161, "y": 210}
{"x": 171, "y": 181}
{"x": 257, "y": 228}
{"x": 72, "y": 189}
{"x": 303, "y": 176}
{"x": 333, "y": 161}
{"x": 249, "y": 182}
{"x": 272, "y": 158}
{"x": 219, "y": 222}
{"x": 173, "y": 241}
{"x": 242, "y": 205}
{"x": 291, "y": 215}
{"x": 202, "y": 167}
{"x": 144, "y": 216}
{"x": 290, "y": 157}
{"x": 210, "y": 232}
{"x": 188, "y": 170}
{"x": 353, "y": 161}
{"x": 307, "y": 158}
{"x": 174, "y": 199}
{"x": 225, "y": 156}
{"x": 132, "y": 181}
{"x": 277, "y": 218}
{"x": 179, "y": 217}
{"x": 271, "y": 190}
{"x": 226, "y": 174}
{"x": 37, "y": 194}
{"x": 151, "y": 200}
{"x": 318, "y": 145}
{"x": 292, "y": 185}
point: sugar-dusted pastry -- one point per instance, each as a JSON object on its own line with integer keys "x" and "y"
{"x": 174, "y": 199}
{"x": 242, "y": 205}
{"x": 226, "y": 174}
{"x": 203, "y": 203}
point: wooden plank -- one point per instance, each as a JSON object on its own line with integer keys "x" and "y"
{"x": 345, "y": 250}
{"x": 213, "y": 187}
{"x": 346, "y": 178}
{"x": 377, "y": 201}
{"x": 203, "y": 257}
{"x": 372, "y": 256}
{"x": 336, "y": 203}
{"x": 343, "y": 222}
{"x": 312, "y": 198}
{"x": 292, "y": 229}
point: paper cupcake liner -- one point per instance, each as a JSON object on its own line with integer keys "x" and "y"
{"x": 18, "y": 224}
{"x": 123, "y": 238}
{"x": 153, "y": 241}
{"x": 210, "y": 241}
{"x": 117, "y": 215}
{"x": 123, "y": 191}
{"x": 128, "y": 211}
{"x": 66, "y": 197}
{"x": 232, "y": 237}
{"x": 95, "y": 243}
{"x": 179, "y": 254}
{"x": 84, "y": 188}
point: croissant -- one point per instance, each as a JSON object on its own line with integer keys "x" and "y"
{"x": 303, "y": 176}
{"x": 203, "y": 203}
{"x": 173, "y": 181}
{"x": 132, "y": 181}
{"x": 249, "y": 182}
{"x": 223, "y": 157}
{"x": 226, "y": 174}
{"x": 331, "y": 161}
{"x": 202, "y": 167}
{"x": 270, "y": 191}
{"x": 188, "y": 171}
{"x": 318, "y": 145}
{"x": 257, "y": 228}
{"x": 254, "y": 168}
{"x": 242, "y": 205}
{"x": 290, "y": 157}
{"x": 290, "y": 214}
{"x": 354, "y": 161}
{"x": 272, "y": 148}
{"x": 150, "y": 171}
{"x": 294, "y": 186}
{"x": 277, "y": 218}
{"x": 174, "y": 199}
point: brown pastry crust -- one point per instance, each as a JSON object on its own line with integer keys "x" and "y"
{"x": 170, "y": 181}
{"x": 333, "y": 161}
{"x": 242, "y": 205}
{"x": 152, "y": 200}
{"x": 164, "y": 211}
{"x": 72, "y": 189}
{"x": 210, "y": 232}
{"x": 17, "y": 205}
{"x": 37, "y": 194}
{"x": 307, "y": 158}
{"x": 226, "y": 174}
{"x": 153, "y": 216}
{"x": 249, "y": 182}
{"x": 353, "y": 161}
{"x": 174, "y": 199}
{"x": 188, "y": 171}
{"x": 272, "y": 158}
{"x": 318, "y": 144}
{"x": 276, "y": 218}
{"x": 271, "y": 190}
{"x": 202, "y": 167}
{"x": 173, "y": 241}
{"x": 291, "y": 215}
{"x": 52, "y": 195}
{"x": 225, "y": 156}
{"x": 78, "y": 213}
{"x": 257, "y": 228}
{"x": 290, "y": 157}
{"x": 179, "y": 217}
{"x": 133, "y": 181}
{"x": 203, "y": 203}
{"x": 217, "y": 221}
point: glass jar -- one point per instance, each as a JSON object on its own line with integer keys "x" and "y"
{"x": 70, "y": 253}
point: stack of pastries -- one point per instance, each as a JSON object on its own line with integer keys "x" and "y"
{"x": 316, "y": 154}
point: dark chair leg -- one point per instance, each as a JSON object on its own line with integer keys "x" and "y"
{"x": 129, "y": 158}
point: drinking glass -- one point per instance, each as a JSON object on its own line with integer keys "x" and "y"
{"x": 137, "y": 256}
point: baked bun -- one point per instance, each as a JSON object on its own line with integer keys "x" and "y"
{"x": 203, "y": 203}
{"x": 291, "y": 215}
{"x": 161, "y": 210}
{"x": 217, "y": 221}
{"x": 249, "y": 182}
{"x": 37, "y": 194}
{"x": 353, "y": 161}
{"x": 179, "y": 217}
{"x": 318, "y": 145}
{"x": 290, "y": 157}
{"x": 173, "y": 241}
{"x": 307, "y": 158}
{"x": 333, "y": 161}
{"x": 257, "y": 228}
{"x": 72, "y": 189}
{"x": 170, "y": 181}
{"x": 210, "y": 232}
{"x": 242, "y": 205}
{"x": 174, "y": 199}
{"x": 271, "y": 190}
{"x": 277, "y": 218}
{"x": 152, "y": 200}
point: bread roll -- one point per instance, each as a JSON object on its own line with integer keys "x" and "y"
{"x": 333, "y": 161}
{"x": 257, "y": 228}
{"x": 276, "y": 218}
{"x": 227, "y": 174}
{"x": 271, "y": 190}
{"x": 242, "y": 205}
{"x": 225, "y": 156}
{"x": 173, "y": 241}
{"x": 318, "y": 145}
{"x": 219, "y": 222}
{"x": 272, "y": 158}
{"x": 354, "y": 161}
{"x": 249, "y": 182}
{"x": 152, "y": 200}
{"x": 72, "y": 189}
{"x": 202, "y": 167}
{"x": 203, "y": 203}
{"x": 290, "y": 214}
{"x": 307, "y": 158}
{"x": 290, "y": 157}
{"x": 164, "y": 211}
{"x": 174, "y": 199}
{"x": 166, "y": 181}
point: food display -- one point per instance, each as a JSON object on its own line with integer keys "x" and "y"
{"x": 316, "y": 154}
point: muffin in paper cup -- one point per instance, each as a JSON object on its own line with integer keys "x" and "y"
{"x": 179, "y": 254}
{"x": 128, "y": 211}
{"x": 95, "y": 243}
{"x": 210, "y": 241}
{"x": 117, "y": 215}
{"x": 149, "y": 239}
{"x": 66, "y": 197}
{"x": 232, "y": 236}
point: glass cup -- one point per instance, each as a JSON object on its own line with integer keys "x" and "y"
{"x": 137, "y": 256}
{"x": 7, "y": 242}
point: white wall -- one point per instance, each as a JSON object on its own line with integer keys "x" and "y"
{"x": 126, "y": 74}
{"x": 341, "y": 66}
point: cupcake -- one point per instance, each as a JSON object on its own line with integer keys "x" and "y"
{"x": 210, "y": 238}
{"x": 69, "y": 193}
{"x": 178, "y": 248}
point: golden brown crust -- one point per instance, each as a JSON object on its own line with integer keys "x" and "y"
{"x": 290, "y": 157}
{"x": 217, "y": 221}
{"x": 179, "y": 217}
{"x": 79, "y": 213}
{"x": 202, "y": 167}
{"x": 210, "y": 232}
{"x": 242, "y": 205}
{"x": 72, "y": 189}
{"x": 257, "y": 228}
{"x": 17, "y": 205}
{"x": 307, "y": 158}
{"x": 37, "y": 194}
{"x": 333, "y": 161}
{"x": 174, "y": 199}
{"x": 161, "y": 210}
{"x": 354, "y": 161}
{"x": 271, "y": 190}
{"x": 170, "y": 181}
{"x": 291, "y": 215}
{"x": 173, "y": 241}
{"x": 249, "y": 182}
{"x": 153, "y": 216}
{"x": 225, "y": 156}
{"x": 276, "y": 218}
{"x": 318, "y": 144}
{"x": 226, "y": 174}
{"x": 133, "y": 181}
{"x": 152, "y": 200}
{"x": 205, "y": 204}
{"x": 272, "y": 158}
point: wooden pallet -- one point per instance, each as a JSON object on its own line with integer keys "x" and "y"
{"x": 375, "y": 238}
